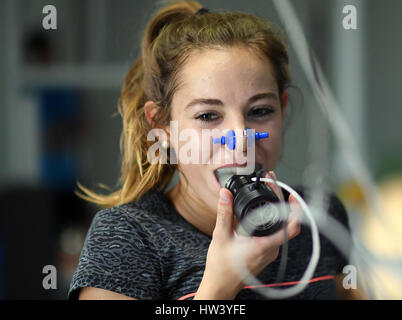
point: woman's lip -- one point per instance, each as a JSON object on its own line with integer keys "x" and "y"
{"x": 226, "y": 166}
{"x": 231, "y": 165}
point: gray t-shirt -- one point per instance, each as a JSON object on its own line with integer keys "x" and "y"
{"x": 146, "y": 250}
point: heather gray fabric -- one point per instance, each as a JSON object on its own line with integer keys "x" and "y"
{"x": 147, "y": 250}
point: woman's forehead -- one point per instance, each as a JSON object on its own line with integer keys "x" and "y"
{"x": 229, "y": 72}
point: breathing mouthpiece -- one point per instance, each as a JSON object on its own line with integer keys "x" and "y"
{"x": 224, "y": 174}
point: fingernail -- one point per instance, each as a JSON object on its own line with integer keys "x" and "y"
{"x": 223, "y": 195}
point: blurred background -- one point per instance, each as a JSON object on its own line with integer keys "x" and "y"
{"x": 58, "y": 122}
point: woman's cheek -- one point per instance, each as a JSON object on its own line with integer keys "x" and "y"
{"x": 268, "y": 152}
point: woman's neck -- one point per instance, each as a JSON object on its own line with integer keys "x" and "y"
{"x": 191, "y": 208}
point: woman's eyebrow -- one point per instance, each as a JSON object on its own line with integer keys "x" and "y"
{"x": 217, "y": 102}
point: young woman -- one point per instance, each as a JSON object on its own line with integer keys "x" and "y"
{"x": 200, "y": 70}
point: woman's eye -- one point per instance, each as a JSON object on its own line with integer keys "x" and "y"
{"x": 256, "y": 113}
{"x": 260, "y": 112}
{"x": 207, "y": 117}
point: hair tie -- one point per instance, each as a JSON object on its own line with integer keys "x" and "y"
{"x": 202, "y": 11}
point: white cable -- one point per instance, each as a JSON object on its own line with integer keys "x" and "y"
{"x": 309, "y": 272}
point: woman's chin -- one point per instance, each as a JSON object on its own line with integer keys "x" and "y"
{"x": 213, "y": 185}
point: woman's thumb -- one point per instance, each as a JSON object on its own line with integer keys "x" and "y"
{"x": 224, "y": 215}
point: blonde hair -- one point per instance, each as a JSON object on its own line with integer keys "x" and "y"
{"x": 170, "y": 36}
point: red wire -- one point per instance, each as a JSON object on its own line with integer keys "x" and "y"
{"x": 271, "y": 285}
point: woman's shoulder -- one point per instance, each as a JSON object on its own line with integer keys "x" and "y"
{"x": 126, "y": 225}
{"x": 120, "y": 247}
{"x": 147, "y": 209}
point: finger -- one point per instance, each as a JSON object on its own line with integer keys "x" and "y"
{"x": 278, "y": 238}
{"x": 224, "y": 215}
{"x": 293, "y": 225}
{"x": 295, "y": 207}
{"x": 293, "y": 217}
{"x": 274, "y": 240}
{"x": 294, "y": 204}
{"x": 271, "y": 175}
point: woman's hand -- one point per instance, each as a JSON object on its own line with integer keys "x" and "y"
{"x": 221, "y": 280}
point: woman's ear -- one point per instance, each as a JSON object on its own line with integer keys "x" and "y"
{"x": 284, "y": 103}
{"x": 150, "y": 108}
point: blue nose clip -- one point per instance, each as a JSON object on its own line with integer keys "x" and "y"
{"x": 230, "y": 138}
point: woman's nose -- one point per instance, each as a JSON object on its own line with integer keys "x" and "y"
{"x": 234, "y": 139}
